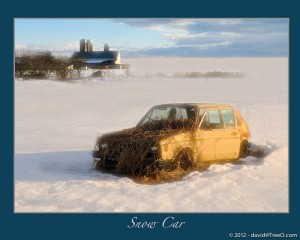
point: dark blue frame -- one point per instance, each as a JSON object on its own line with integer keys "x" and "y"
{"x": 113, "y": 226}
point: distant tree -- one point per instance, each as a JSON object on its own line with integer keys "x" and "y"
{"x": 41, "y": 63}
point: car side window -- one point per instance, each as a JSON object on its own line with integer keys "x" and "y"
{"x": 228, "y": 118}
{"x": 212, "y": 120}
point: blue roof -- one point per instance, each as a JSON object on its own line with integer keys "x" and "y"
{"x": 97, "y": 56}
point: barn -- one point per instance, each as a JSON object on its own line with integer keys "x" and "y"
{"x": 88, "y": 58}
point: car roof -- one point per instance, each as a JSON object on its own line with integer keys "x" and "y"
{"x": 201, "y": 105}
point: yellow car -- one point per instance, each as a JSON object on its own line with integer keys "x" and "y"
{"x": 176, "y": 135}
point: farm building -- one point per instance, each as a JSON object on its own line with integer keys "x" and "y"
{"x": 87, "y": 58}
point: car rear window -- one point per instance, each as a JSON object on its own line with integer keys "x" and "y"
{"x": 228, "y": 118}
{"x": 219, "y": 119}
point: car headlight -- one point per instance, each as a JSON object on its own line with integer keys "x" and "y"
{"x": 104, "y": 146}
{"x": 154, "y": 149}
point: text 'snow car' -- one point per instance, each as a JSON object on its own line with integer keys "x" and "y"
{"x": 176, "y": 135}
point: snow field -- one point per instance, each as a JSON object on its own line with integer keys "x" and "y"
{"x": 56, "y": 125}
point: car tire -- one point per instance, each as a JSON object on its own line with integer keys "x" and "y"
{"x": 243, "y": 150}
{"x": 184, "y": 160}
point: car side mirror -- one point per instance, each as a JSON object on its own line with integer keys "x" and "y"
{"x": 208, "y": 126}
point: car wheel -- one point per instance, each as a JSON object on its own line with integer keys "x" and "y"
{"x": 184, "y": 161}
{"x": 243, "y": 150}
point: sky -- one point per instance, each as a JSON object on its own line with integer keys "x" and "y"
{"x": 158, "y": 37}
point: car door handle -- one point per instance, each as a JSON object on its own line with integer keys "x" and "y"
{"x": 234, "y": 133}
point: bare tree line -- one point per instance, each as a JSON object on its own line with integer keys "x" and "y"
{"x": 41, "y": 64}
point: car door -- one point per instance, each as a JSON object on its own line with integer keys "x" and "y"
{"x": 206, "y": 137}
{"x": 228, "y": 144}
{"x": 217, "y": 136}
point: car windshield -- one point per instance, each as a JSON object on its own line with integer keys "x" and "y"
{"x": 170, "y": 116}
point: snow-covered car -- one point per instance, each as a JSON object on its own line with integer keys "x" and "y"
{"x": 176, "y": 135}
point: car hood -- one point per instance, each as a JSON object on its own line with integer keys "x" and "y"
{"x": 131, "y": 147}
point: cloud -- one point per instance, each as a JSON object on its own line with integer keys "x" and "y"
{"x": 62, "y": 48}
{"x": 245, "y": 34}
{"x": 144, "y": 22}
{"x": 220, "y": 49}
{"x": 20, "y": 46}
